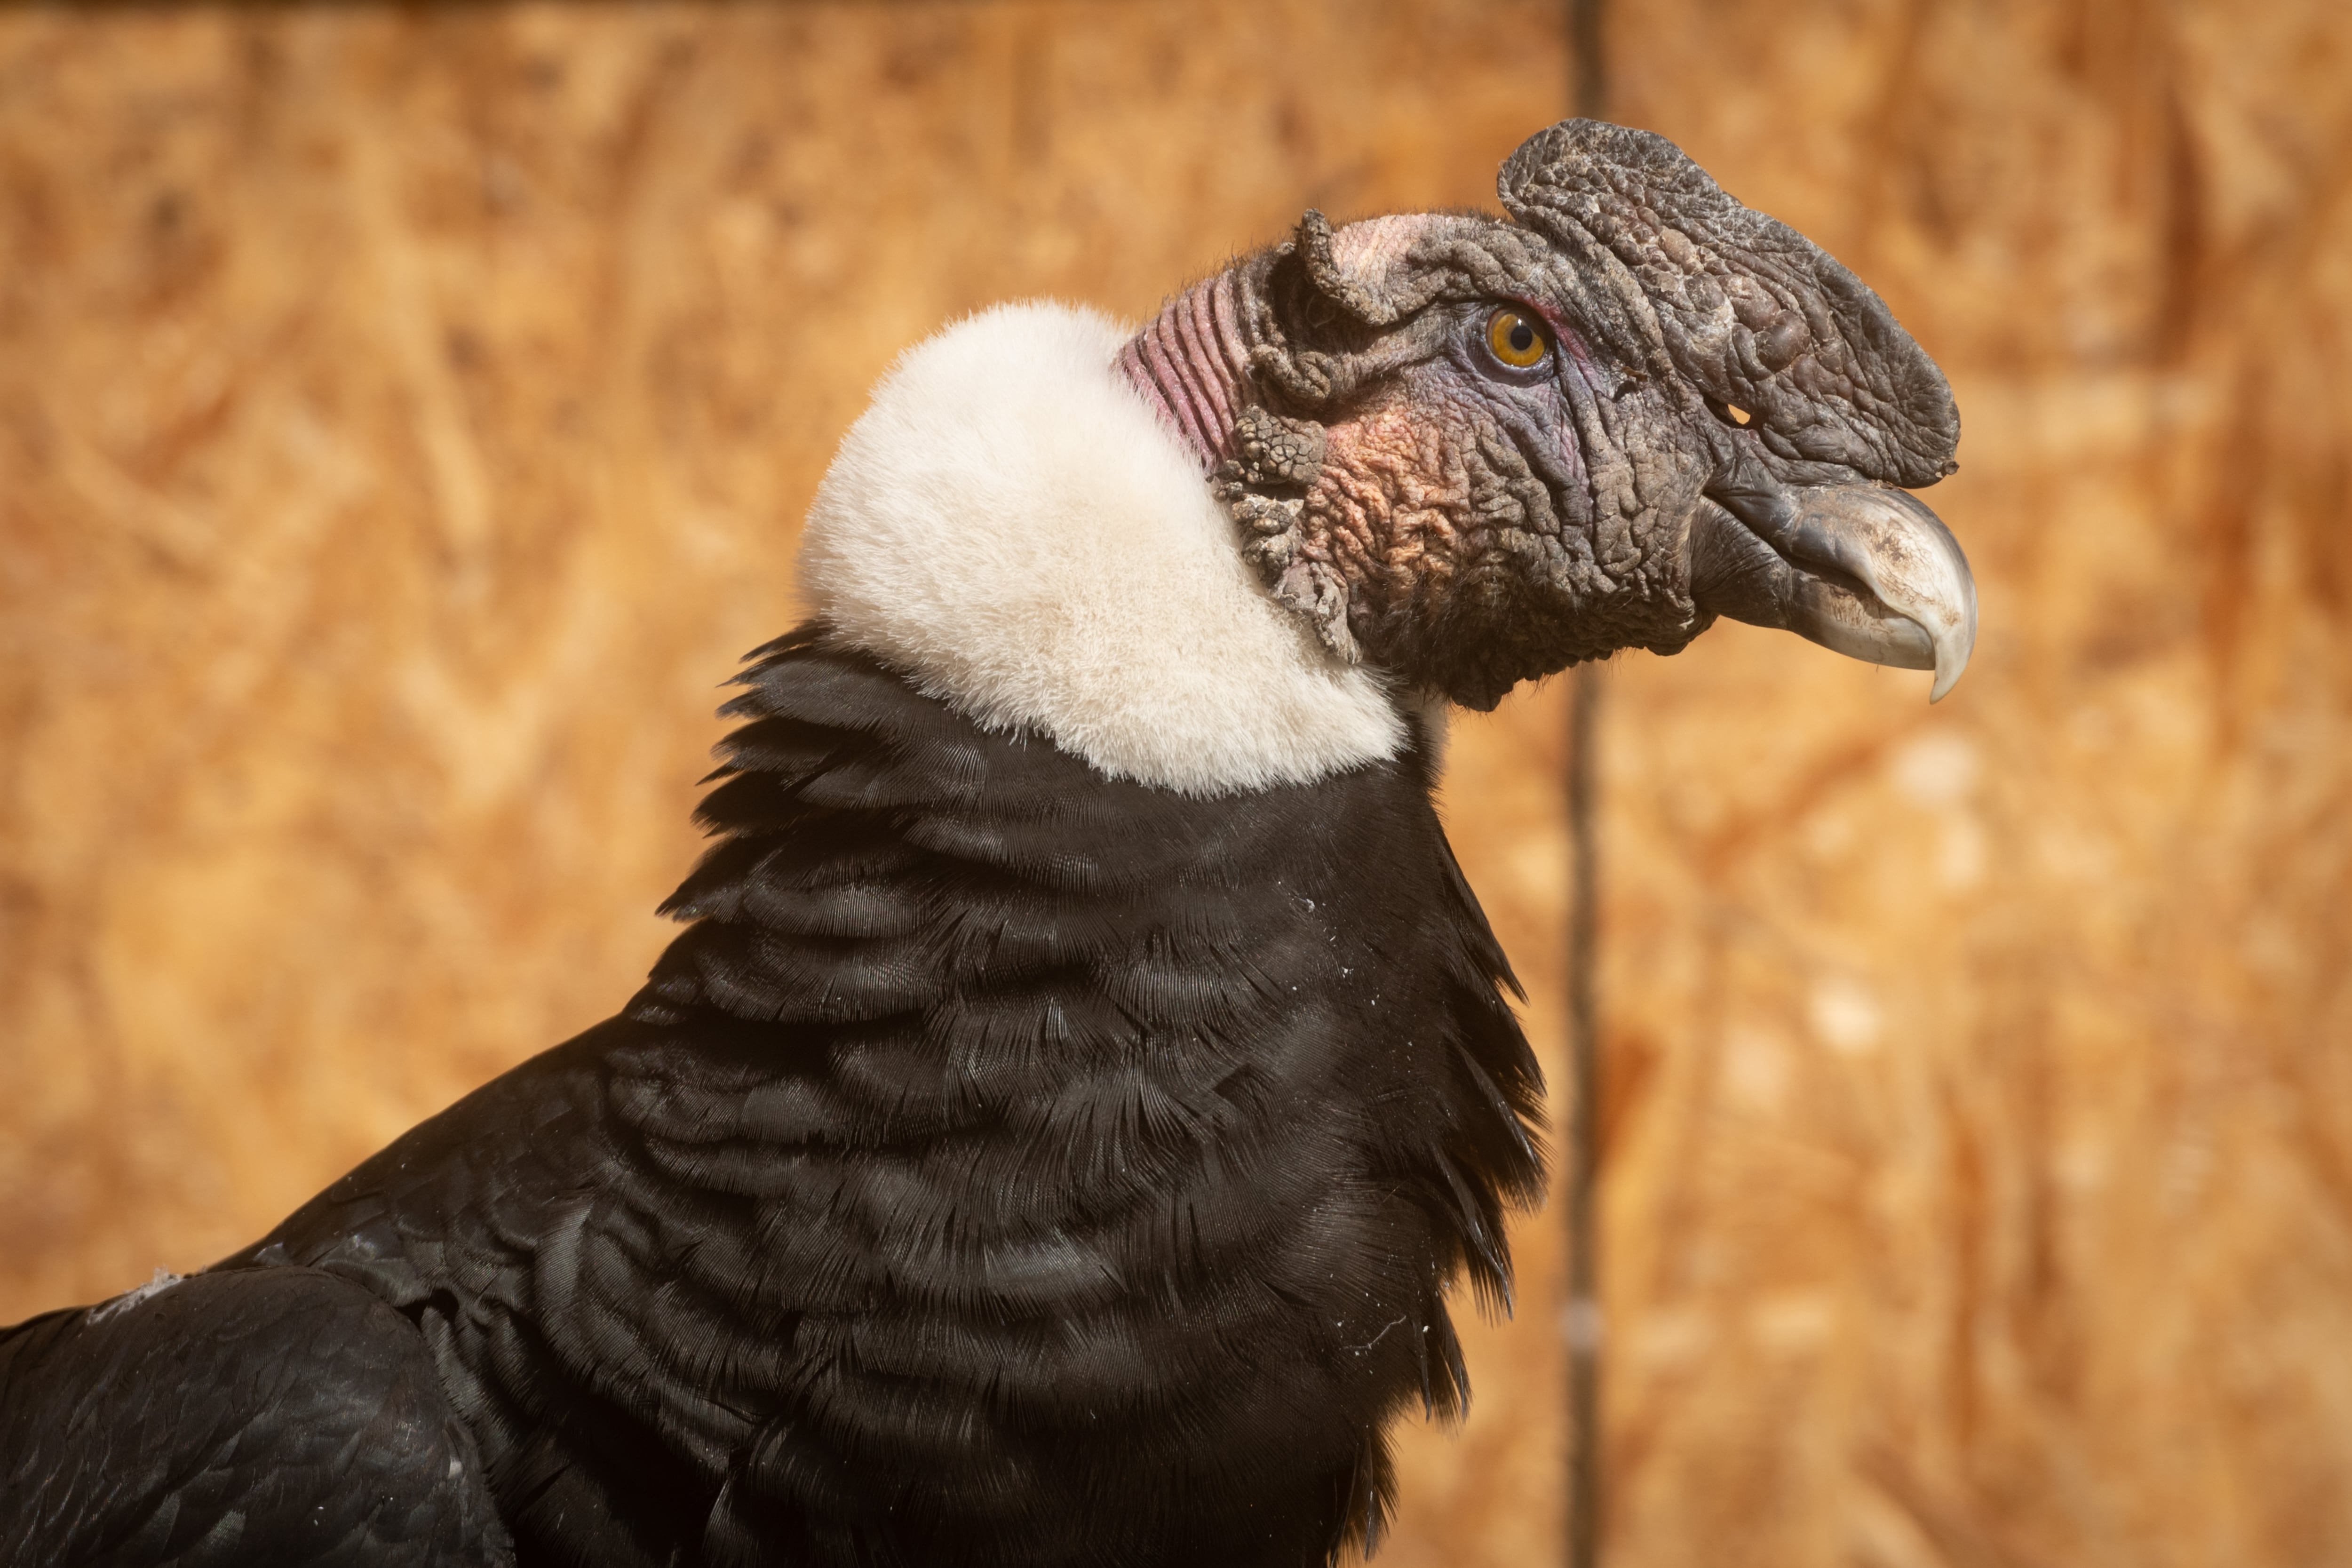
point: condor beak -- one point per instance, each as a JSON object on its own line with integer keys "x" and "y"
{"x": 1864, "y": 569}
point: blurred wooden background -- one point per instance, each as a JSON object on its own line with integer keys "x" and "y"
{"x": 405, "y": 417}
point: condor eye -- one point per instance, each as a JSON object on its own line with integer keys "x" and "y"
{"x": 1514, "y": 339}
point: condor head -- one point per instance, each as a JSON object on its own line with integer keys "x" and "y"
{"x": 1473, "y": 451}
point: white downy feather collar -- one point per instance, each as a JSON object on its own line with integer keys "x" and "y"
{"x": 1012, "y": 526}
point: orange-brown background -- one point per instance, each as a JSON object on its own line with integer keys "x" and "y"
{"x": 404, "y": 421}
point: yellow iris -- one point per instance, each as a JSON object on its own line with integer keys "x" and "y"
{"x": 1517, "y": 340}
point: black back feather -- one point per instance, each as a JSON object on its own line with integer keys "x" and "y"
{"x": 1006, "y": 1165}
{"x": 284, "y": 1417}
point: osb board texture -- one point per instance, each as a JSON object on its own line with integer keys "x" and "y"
{"x": 404, "y": 420}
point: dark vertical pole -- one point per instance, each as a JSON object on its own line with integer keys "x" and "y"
{"x": 1588, "y": 60}
{"x": 1582, "y": 1321}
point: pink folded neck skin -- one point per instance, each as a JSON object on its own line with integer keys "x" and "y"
{"x": 1190, "y": 362}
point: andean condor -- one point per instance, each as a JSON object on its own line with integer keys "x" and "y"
{"x": 1083, "y": 1070}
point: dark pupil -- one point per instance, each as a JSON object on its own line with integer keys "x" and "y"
{"x": 1523, "y": 338}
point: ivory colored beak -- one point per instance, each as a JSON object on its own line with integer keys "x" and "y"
{"x": 1866, "y": 570}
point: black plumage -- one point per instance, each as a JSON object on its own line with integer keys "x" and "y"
{"x": 282, "y": 1418}
{"x": 1008, "y": 1165}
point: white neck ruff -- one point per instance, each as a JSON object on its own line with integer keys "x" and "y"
{"x": 1010, "y": 525}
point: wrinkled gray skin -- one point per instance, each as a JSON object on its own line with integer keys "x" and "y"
{"x": 1713, "y": 430}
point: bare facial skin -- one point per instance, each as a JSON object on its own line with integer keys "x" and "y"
{"x": 1473, "y": 451}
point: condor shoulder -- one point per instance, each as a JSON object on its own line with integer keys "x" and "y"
{"x": 276, "y": 1415}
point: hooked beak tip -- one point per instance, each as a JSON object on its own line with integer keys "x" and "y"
{"x": 1901, "y": 551}
{"x": 1865, "y": 569}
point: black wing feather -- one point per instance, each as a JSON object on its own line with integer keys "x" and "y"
{"x": 277, "y": 1416}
